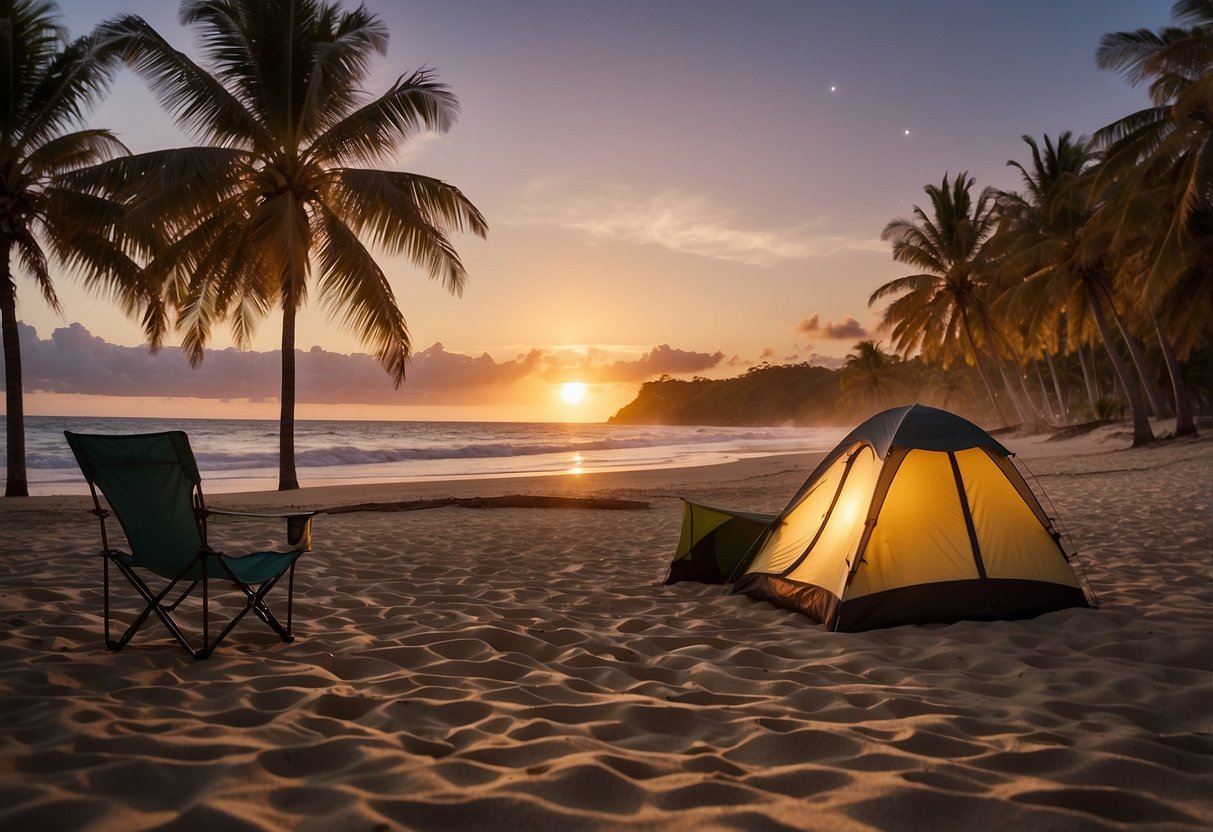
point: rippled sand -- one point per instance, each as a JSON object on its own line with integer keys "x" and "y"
{"x": 523, "y": 669}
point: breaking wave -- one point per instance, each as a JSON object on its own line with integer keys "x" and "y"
{"x": 347, "y": 450}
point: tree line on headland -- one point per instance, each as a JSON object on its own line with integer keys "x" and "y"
{"x": 1082, "y": 390}
{"x": 1084, "y": 294}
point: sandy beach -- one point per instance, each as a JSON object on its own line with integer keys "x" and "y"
{"x": 524, "y": 669}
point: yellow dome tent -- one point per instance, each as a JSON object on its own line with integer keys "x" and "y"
{"x": 917, "y": 515}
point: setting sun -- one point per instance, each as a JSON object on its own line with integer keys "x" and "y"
{"x": 572, "y": 392}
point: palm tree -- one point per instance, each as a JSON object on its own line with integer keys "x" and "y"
{"x": 947, "y": 383}
{"x": 277, "y": 199}
{"x": 942, "y": 308}
{"x": 870, "y": 380}
{"x": 50, "y": 84}
{"x": 1047, "y": 236}
{"x": 1157, "y": 161}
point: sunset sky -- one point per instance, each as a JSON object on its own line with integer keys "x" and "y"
{"x": 671, "y": 186}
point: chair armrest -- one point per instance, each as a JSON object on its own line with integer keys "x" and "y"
{"x": 298, "y": 523}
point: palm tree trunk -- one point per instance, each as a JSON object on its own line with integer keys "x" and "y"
{"x": 16, "y": 484}
{"x": 1063, "y": 402}
{"x": 1185, "y": 424}
{"x": 1021, "y": 374}
{"x": 1115, "y": 391}
{"x": 981, "y": 368}
{"x": 1046, "y": 407}
{"x": 1148, "y": 385}
{"x": 1142, "y": 435}
{"x": 1137, "y": 354}
{"x": 1089, "y": 380}
{"x": 1010, "y": 390}
{"x": 1026, "y": 408}
{"x": 1095, "y": 379}
{"x": 287, "y": 481}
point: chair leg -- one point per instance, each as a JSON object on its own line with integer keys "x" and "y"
{"x": 154, "y": 604}
{"x": 181, "y": 597}
{"x": 290, "y": 601}
{"x": 263, "y": 611}
{"x": 105, "y": 603}
{"x": 206, "y": 613}
{"x": 255, "y": 603}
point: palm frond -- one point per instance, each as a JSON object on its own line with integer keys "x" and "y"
{"x": 279, "y": 233}
{"x": 408, "y": 214}
{"x": 66, "y": 89}
{"x": 33, "y": 262}
{"x": 1129, "y": 53}
{"x": 72, "y": 151}
{"x": 227, "y": 275}
{"x": 341, "y": 59}
{"x": 198, "y": 101}
{"x": 908, "y": 283}
{"x": 352, "y": 282}
{"x": 374, "y": 131}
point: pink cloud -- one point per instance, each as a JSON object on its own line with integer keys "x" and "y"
{"x": 846, "y": 329}
{"x": 73, "y": 360}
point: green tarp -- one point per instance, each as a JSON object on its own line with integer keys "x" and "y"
{"x": 713, "y": 542}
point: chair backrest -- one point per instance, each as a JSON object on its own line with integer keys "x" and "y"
{"x": 149, "y": 481}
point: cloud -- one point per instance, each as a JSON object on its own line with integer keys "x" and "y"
{"x": 831, "y": 362}
{"x": 663, "y": 360}
{"x": 602, "y": 366}
{"x": 690, "y": 223}
{"x": 436, "y": 369}
{"x": 846, "y": 329}
{"x": 73, "y": 360}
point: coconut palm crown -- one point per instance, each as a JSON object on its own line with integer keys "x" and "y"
{"x": 870, "y": 379}
{"x": 283, "y": 195}
{"x": 1162, "y": 154}
{"x": 941, "y": 309}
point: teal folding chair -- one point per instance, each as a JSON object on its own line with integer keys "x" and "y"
{"x": 152, "y": 486}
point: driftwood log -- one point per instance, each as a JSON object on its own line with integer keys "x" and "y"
{"x": 507, "y": 501}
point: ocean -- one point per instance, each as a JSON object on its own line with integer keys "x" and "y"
{"x": 242, "y": 455}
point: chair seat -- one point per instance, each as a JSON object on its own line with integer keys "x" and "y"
{"x": 253, "y": 568}
{"x": 256, "y": 567}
